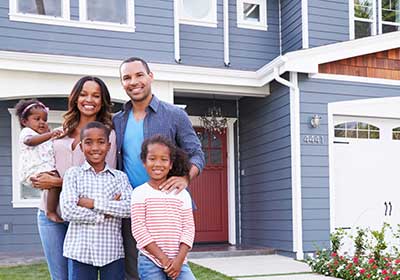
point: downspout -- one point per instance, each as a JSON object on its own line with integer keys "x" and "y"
{"x": 295, "y": 160}
{"x": 226, "y": 34}
{"x": 177, "y": 51}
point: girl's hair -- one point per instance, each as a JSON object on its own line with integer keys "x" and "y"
{"x": 72, "y": 116}
{"x": 24, "y": 108}
{"x": 179, "y": 159}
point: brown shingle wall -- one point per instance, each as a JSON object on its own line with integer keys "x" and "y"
{"x": 384, "y": 65}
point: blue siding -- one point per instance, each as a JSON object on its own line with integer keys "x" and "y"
{"x": 314, "y": 98}
{"x": 153, "y": 39}
{"x": 265, "y": 189}
{"x": 291, "y": 25}
{"x": 251, "y": 49}
{"x": 328, "y": 22}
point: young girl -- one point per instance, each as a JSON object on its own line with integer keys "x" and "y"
{"x": 162, "y": 223}
{"x": 37, "y": 155}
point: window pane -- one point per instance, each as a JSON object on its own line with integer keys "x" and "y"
{"x": 351, "y": 133}
{"x": 374, "y": 135}
{"x": 363, "y": 134}
{"x": 362, "y": 125}
{"x": 40, "y": 7}
{"x": 28, "y": 192}
{"x": 107, "y": 10}
{"x": 351, "y": 125}
{"x": 340, "y": 133}
{"x": 391, "y": 11}
{"x": 251, "y": 12}
{"x": 363, "y": 9}
{"x": 389, "y": 28}
{"x": 341, "y": 125}
{"x": 197, "y": 9}
{"x": 362, "y": 29}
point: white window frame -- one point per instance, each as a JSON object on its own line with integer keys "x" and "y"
{"x": 17, "y": 200}
{"x": 353, "y": 19}
{"x": 210, "y": 21}
{"x": 381, "y": 21}
{"x": 242, "y": 23}
{"x": 65, "y": 19}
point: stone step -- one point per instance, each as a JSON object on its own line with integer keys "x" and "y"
{"x": 200, "y": 251}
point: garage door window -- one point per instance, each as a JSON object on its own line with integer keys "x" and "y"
{"x": 358, "y": 130}
{"x": 396, "y": 133}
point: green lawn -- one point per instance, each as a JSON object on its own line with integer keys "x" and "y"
{"x": 39, "y": 272}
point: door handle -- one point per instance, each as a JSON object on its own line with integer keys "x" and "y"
{"x": 390, "y": 208}
{"x": 386, "y": 208}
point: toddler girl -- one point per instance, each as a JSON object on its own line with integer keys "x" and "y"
{"x": 162, "y": 223}
{"x": 36, "y": 151}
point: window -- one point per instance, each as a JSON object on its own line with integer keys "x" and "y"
{"x": 252, "y": 14}
{"x": 117, "y": 15}
{"x": 363, "y": 18}
{"x": 396, "y": 133}
{"x": 195, "y": 12}
{"x": 24, "y": 196}
{"x": 358, "y": 130}
{"x": 390, "y": 16}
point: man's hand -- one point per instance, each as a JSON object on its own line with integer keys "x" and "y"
{"x": 175, "y": 183}
{"x": 86, "y": 202}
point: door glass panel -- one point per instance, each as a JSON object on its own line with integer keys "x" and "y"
{"x": 251, "y": 12}
{"x": 362, "y": 29}
{"x": 216, "y": 157}
{"x": 197, "y": 9}
{"x": 216, "y": 142}
{"x": 40, "y": 7}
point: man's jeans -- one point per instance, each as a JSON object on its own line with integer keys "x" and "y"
{"x": 148, "y": 270}
{"x": 52, "y": 236}
{"x": 83, "y": 271}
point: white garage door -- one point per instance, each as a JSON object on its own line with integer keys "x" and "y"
{"x": 366, "y": 172}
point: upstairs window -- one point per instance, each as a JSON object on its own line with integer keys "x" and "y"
{"x": 390, "y": 10}
{"x": 110, "y": 11}
{"x": 116, "y": 15}
{"x": 195, "y": 12}
{"x": 363, "y": 18}
{"x": 41, "y": 7}
{"x": 252, "y": 14}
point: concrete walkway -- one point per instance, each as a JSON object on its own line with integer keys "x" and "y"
{"x": 261, "y": 267}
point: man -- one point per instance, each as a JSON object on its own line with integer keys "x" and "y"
{"x": 142, "y": 117}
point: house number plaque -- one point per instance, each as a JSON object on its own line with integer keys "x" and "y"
{"x": 314, "y": 139}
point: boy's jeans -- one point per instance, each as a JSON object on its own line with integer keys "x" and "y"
{"x": 83, "y": 271}
{"x": 148, "y": 270}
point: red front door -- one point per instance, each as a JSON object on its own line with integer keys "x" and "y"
{"x": 209, "y": 190}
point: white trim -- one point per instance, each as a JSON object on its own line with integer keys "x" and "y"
{"x": 65, "y": 20}
{"x": 231, "y": 176}
{"x": 53, "y": 117}
{"x": 209, "y": 21}
{"x": 379, "y": 19}
{"x": 242, "y": 23}
{"x": 351, "y": 20}
{"x": 226, "y": 33}
{"x": 296, "y": 167}
{"x": 331, "y": 169}
{"x": 304, "y": 24}
{"x": 177, "y": 47}
{"x": 355, "y": 79}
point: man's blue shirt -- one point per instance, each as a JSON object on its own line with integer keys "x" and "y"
{"x": 131, "y": 148}
{"x": 165, "y": 119}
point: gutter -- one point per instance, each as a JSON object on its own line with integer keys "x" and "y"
{"x": 295, "y": 159}
{"x": 177, "y": 51}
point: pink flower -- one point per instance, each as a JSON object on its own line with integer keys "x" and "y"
{"x": 355, "y": 260}
{"x": 397, "y": 261}
{"x": 384, "y": 272}
{"x": 370, "y": 261}
{"x": 387, "y": 278}
{"x": 394, "y": 272}
{"x": 334, "y": 254}
{"x": 362, "y": 270}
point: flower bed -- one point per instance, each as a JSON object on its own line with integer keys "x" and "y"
{"x": 373, "y": 258}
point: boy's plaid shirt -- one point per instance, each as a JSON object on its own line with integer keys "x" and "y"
{"x": 94, "y": 235}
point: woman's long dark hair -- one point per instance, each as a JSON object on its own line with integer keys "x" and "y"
{"x": 72, "y": 116}
{"x": 180, "y": 160}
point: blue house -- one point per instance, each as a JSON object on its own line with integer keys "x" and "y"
{"x": 310, "y": 90}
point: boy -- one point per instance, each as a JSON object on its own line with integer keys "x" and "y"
{"x": 94, "y": 198}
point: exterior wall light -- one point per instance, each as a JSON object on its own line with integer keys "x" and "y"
{"x": 315, "y": 121}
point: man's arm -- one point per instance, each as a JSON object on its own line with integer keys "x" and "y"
{"x": 188, "y": 141}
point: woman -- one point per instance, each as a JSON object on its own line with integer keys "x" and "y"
{"x": 88, "y": 101}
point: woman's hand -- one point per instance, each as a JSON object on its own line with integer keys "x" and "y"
{"x": 45, "y": 181}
